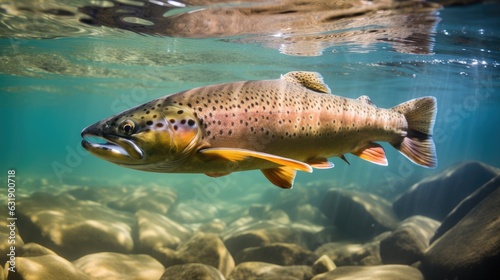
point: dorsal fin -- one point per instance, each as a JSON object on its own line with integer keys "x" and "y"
{"x": 311, "y": 80}
{"x": 366, "y": 99}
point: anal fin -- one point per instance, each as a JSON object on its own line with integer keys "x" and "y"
{"x": 373, "y": 153}
{"x": 282, "y": 177}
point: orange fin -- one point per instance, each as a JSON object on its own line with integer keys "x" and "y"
{"x": 373, "y": 153}
{"x": 282, "y": 177}
{"x": 320, "y": 163}
{"x": 235, "y": 154}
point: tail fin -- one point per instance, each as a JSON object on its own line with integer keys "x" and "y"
{"x": 418, "y": 145}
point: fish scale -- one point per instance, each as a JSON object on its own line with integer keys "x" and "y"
{"x": 278, "y": 126}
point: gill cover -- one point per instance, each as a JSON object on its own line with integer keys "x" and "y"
{"x": 184, "y": 129}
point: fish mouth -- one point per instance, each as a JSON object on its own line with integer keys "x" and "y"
{"x": 111, "y": 147}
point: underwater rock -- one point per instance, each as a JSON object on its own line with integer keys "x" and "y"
{"x": 290, "y": 202}
{"x": 277, "y": 253}
{"x": 205, "y": 248}
{"x": 110, "y": 266}
{"x": 343, "y": 254}
{"x": 45, "y": 267}
{"x": 436, "y": 196}
{"x": 7, "y": 234}
{"x": 261, "y": 233}
{"x": 73, "y": 228}
{"x": 35, "y": 250}
{"x": 471, "y": 248}
{"x": 278, "y": 215}
{"x": 196, "y": 271}
{"x": 358, "y": 215}
{"x": 101, "y": 194}
{"x": 408, "y": 242}
{"x": 157, "y": 230}
{"x": 378, "y": 272}
{"x": 190, "y": 212}
{"x": 215, "y": 226}
{"x": 258, "y": 211}
{"x": 152, "y": 199}
{"x": 323, "y": 264}
{"x": 310, "y": 213}
{"x": 262, "y": 270}
{"x": 466, "y": 205}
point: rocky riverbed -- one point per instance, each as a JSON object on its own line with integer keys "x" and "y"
{"x": 444, "y": 227}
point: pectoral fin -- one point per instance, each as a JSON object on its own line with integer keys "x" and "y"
{"x": 282, "y": 177}
{"x": 373, "y": 153}
{"x": 235, "y": 154}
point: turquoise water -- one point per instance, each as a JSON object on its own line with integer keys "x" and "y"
{"x": 52, "y": 88}
{"x": 65, "y": 65}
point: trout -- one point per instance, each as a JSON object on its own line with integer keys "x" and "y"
{"x": 277, "y": 126}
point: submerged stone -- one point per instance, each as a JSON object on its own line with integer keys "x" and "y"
{"x": 471, "y": 248}
{"x": 73, "y": 228}
{"x": 152, "y": 199}
{"x": 195, "y": 271}
{"x": 323, "y": 264}
{"x": 157, "y": 230}
{"x": 35, "y": 250}
{"x": 262, "y": 270}
{"x": 205, "y": 248}
{"x": 408, "y": 242}
{"x": 190, "y": 212}
{"x": 378, "y": 272}
{"x": 8, "y": 232}
{"x": 466, "y": 205}
{"x": 358, "y": 215}
{"x": 45, "y": 267}
{"x": 113, "y": 266}
{"x": 436, "y": 196}
{"x": 344, "y": 253}
{"x": 277, "y": 253}
{"x": 261, "y": 233}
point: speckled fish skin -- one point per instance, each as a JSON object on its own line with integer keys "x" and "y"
{"x": 278, "y": 126}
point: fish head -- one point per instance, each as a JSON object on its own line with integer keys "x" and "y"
{"x": 145, "y": 137}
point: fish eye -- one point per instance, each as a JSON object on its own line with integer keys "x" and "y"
{"x": 127, "y": 127}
